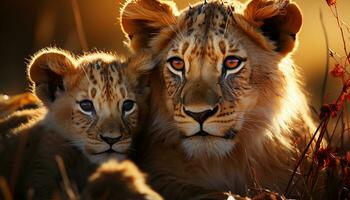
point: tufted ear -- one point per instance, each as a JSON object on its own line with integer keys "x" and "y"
{"x": 142, "y": 19}
{"x": 279, "y": 20}
{"x": 48, "y": 71}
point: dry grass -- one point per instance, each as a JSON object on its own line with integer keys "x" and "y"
{"x": 333, "y": 160}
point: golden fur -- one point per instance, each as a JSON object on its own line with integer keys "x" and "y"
{"x": 119, "y": 180}
{"x": 217, "y": 129}
{"x": 11, "y": 104}
{"x": 63, "y": 82}
{"x": 33, "y": 138}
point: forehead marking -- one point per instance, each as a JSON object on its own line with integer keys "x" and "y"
{"x": 105, "y": 79}
{"x": 93, "y": 92}
{"x": 175, "y": 50}
{"x": 122, "y": 92}
{"x": 98, "y": 64}
{"x": 222, "y": 47}
{"x": 209, "y": 17}
{"x": 92, "y": 76}
{"x": 193, "y": 51}
{"x": 119, "y": 77}
{"x": 184, "y": 48}
{"x": 233, "y": 50}
{"x": 113, "y": 66}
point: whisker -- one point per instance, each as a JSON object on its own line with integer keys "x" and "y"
{"x": 86, "y": 75}
{"x": 228, "y": 17}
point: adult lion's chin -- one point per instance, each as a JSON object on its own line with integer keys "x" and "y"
{"x": 197, "y": 147}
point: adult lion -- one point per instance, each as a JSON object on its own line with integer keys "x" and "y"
{"x": 227, "y": 106}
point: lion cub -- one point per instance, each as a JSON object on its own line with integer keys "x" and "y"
{"x": 91, "y": 109}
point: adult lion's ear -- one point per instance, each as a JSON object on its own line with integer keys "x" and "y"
{"x": 142, "y": 19}
{"x": 279, "y": 20}
{"x": 48, "y": 71}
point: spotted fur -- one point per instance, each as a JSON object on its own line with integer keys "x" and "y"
{"x": 217, "y": 129}
{"x": 101, "y": 78}
{"x": 63, "y": 128}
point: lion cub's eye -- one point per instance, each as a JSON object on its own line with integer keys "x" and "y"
{"x": 232, "y": 62}
{"x": 176, "y": 63}
{"x": 86, "y": 106}
{"x": 128, "y": 106}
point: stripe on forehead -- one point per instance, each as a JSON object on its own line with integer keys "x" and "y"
{"x": 184, "y": 48}
{"x": 206, "y": 17}
{"x": 104, "y": 76}
{"x": 123, "y": 92}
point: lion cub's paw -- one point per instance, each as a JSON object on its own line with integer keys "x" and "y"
{"x": 119, "y": 180}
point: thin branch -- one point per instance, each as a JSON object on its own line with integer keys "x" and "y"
{"x": 341, "y": 30}
{"x": 18, "y": 160}
{"x": 4, "y": 188}
{"x": 66, "y": 183}
{"x": 342, "y": 133}
{"x": 335, "y": 127}
{"x": 324, "y": 84}
{"x": 79, "y": 25}
{"x": 317, "y": 146}
{"x": 303, "y": 155}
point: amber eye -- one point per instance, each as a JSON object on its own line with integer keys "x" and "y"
{"x": 176, "y": 63}
{"x": 232, "y": 62}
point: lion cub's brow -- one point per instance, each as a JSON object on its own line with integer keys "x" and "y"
{"x": 107, "y": 76}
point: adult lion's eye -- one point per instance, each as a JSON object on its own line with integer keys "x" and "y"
{"x": 232, "y": 62}
{"x": 176, "y": 63}
{"x": 86, "y": 106}
{"x": 128, "y": 106}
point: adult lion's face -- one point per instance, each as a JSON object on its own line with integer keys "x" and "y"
{"x": 207, "y": 78}
{"x": 218, "y": 68}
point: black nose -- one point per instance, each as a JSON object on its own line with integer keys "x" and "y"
{"x": 110, "y": 140}
{"x": 200, "y": 117}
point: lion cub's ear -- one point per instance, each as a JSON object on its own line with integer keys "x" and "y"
{"x": 48, "y": 71}
{"x": 142, "y": 19}
{"x": 279, "y": 20}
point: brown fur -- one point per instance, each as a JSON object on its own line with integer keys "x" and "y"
{"x": 20, "y": 118}
{"x": 33, "y": 138}
{"x": 259, "y": 110}
{"x": 114, "y": 180}
{"x": 28, "y": 164}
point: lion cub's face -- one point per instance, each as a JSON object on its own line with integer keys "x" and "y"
{"x": 103, "y": 109}
{"x": 93, "y": 101}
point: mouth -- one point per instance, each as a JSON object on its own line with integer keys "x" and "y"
{"x": 110, "y": 151}
{"x": 229, "y": 135}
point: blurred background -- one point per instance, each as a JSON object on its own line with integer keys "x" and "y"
{"x": 29, "y": 25}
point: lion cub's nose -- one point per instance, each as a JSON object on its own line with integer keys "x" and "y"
{"x": 200, "y": 117}
{"x": 110, "y": 140}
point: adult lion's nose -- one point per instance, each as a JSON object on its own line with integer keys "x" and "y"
{"x": 200, "y": 117}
